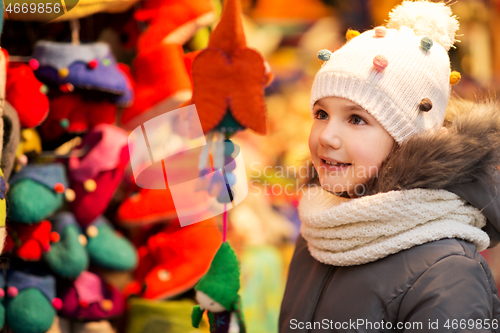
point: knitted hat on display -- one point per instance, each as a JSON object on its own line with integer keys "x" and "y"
{"x": 222, "y": 280}
{"x": 399, "y": 73}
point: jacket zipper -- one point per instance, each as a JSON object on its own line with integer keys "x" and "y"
{"x": 325, "y": 284}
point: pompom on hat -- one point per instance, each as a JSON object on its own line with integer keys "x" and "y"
{"x": 390, "y": 74}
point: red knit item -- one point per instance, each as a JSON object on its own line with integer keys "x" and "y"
{"x": 71, "y": 113}
{"x": 157, "y": 76}
{"x": 228, "y": 74}
{"x": 175, "y": 259}
{"x": 167, "y": 18}
{"x": 23, "y": 92}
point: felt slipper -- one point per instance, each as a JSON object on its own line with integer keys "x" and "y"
{"x": 26, "y": 94}
{"x": 96, "y": 175}
{"x": 161, "y": 83}
{"x": 85, "y": 66}
{"x": 175, "y": 259}
{"x": 31, "y": 303}
{"x": 70, "y": 113}
{"x": 11, "y": 136}
{"x": 68, "y": 256}
{"x": 36, "y": 192}
{"x": 107, "y": 248}
{"x": 28, "y": 242}
{"x": 173, "y": 22}
{"x": 90, "y": 298}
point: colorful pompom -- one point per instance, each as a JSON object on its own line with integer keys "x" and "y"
{"x": 54, "y": 237}
{"x": 57, "y": 303}
{"x": 425, "y": 18}
{"x": 70, "y": 195}
{"x": 426, "y": 43}
{"x": 380, "y": 31}
{"x": 89, "y": 185}
{"x": 380, "y": 63}
{"x": 324, "y": 54}
{"x": 92, "y": 231}
{"x": 350, "y": 34}
{"x": 12, "y": 292}
{"x": 455, "y": 77}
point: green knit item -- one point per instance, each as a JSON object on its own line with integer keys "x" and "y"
{"x": 32, "y": 202}
{"x": 30, "y": 312}
{"x": 68, "y": 258}
{"x": 222, "y": 280}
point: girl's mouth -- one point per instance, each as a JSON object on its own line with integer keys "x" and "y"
{"x": 332, "y": 165}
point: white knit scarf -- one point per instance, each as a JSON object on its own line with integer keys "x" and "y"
{"x": 346, "y": 232}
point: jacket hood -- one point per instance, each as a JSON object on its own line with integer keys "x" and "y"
{"x": 463, "y": 159}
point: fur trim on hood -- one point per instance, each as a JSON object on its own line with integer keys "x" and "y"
{"x": 463, "y": 158}
{"x": 467, "y": 150}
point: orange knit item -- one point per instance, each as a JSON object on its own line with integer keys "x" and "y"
{"x": 229, "y": 75}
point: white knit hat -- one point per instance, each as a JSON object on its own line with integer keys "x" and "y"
{"x": 399, "y": 74}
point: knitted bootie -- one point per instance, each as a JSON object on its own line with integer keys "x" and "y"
{"x": 70, "y": 113}
{"x": 85, "y": 66}
{"x": 36, "y": 192}
{"x": 68, "y": 257}
{"x": 108, "y": 249}
{"x": 96, "y": 175}
{"x": 90, "y": 298}
{"x": 28, "y": 242}
{"x": 31, "y": 303}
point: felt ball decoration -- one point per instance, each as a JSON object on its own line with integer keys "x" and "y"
{"x": 66, "y": 88}
{"x": 2, "y": 293}
{"x": 380, "y": 63}
{"x": 107, "y": 304}
{"x": 455, "y": 77}
{"x": 324, "y": 54}
{"x": 12, "y": 292}
{"x": 380, "y": 31}
{"x": 57, "y": 303}
{"x": 426, "y": 43}
{"x": 164, "y": 275}
{"x": 89, "y": 185}
{"x": 82, "y": 240}
{"x": 54, "y": 237}
{"x": 92, "y": 231}
{"x": 70, "y": 195}
{"x": 106, "y": 62}
{"x": 425, "y": 105}
{"x": 59, "y": 188}
{"x": 23, "y": 159}
{"x": 92, "y": 64}
{"x": 44, "y": 89}
{"x": 228, "y": 147}
{"x": 64, "y": 123}
{"x": 63, "y": 72}
{"x": 350, "y": 34}
{"x": 34, "y": 64}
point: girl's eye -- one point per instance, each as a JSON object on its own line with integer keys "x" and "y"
{"x": 357, "y": 120}
{"x": 321, "y": 114}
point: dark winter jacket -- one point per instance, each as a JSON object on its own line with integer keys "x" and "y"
{"x": 440, "y": 286}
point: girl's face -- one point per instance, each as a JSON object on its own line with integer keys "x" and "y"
{"x": 347, "y": 145}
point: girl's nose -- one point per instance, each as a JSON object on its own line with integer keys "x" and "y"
{"x": 330, "y": 137}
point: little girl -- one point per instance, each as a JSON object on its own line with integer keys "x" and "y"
{"x": 406, "y": 198}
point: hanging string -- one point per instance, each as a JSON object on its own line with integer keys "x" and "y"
{"x": 224, "y": 224}
{"x": 75, "y": 31}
